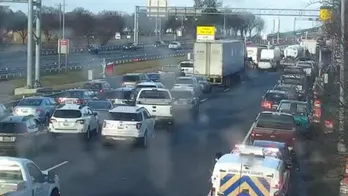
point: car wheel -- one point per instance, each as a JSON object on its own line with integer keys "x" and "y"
{"x": 55, "y": 192}
{"x": 47, "y": 120}
{"x": 88, "y": 134}
{"x": 144, "y": 142}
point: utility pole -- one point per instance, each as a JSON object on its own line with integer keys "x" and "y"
{"x": 342, "y": 102}
{"x": 30, "y": 45}
{"x": 278, "y": 31}
{"x": 66, "y": 54}
{"x": 60, "y": 34}
{"x": 38, "y": 39}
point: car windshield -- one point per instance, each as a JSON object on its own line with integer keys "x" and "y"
{"x": 118, "y": 94}
{"x": 93, "y": 86}
{"x": 120, "y": 116}
{"x": 181, "y": 94}
{"x": 13, "y": 127}
{"x": 188, "y": 64}
{"x": 30, "y": 102}
{"x": 292, "y": 81}
{"x": 10, "y": 172}
{"x": 130, "y": 78}
{"x": 269, "y": 120}
{"x": 74, "y": 94}
{"x": 184, "y": 81}
{"x": 154, "y": 94}
{"x": 100, "y": 105}
{"x": 275, "y": 97}
{"x": 67, "y": 114}
{"x": 294, "y": 108}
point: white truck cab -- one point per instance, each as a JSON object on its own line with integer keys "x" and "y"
{"x": 249, "y": 171}
{"x": 22, "y": 177}
{"x": 158, "y": 102}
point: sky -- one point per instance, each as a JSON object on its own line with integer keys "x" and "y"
{"x": 286, "y": 23}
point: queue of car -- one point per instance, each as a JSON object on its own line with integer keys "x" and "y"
{"x": 264, "y": 162}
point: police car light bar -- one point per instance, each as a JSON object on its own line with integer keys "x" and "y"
{"x": 255, "y": 150}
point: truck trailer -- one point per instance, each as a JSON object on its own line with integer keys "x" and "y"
{"x": 221, "y": 61}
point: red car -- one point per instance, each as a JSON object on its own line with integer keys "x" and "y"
{"x": 274, "y": 126}
{"x": 272, "y": 99}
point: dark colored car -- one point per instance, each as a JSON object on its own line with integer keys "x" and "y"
{"x": 154, "y": 77}
{"x": 129, "y": 46}
{"x": 102, "y": 107}
{"x": 93, "y": 49}
{"x": 272, "y": 98}
{"x": 97, "y": 87}
{"x": 274, "y": 126}
{"x": 76, "y": 96}
{"x": 120, "y": 96}
{"x": 23, "y": 135}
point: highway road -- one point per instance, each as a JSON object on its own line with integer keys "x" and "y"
{"x": 176, "y": 162}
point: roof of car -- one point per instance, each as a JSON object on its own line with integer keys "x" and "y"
{"x": 277, "y": 91}
{"x": 183, "y": 88}
{"x": 132, "y": 74}
{"x": 123, "y": 89}
{"x": 70, "y": 107}
{"x": 292, "y": 101}
{"x": 125, "y": 109}
{"x": 185, "y": 77}
{"x": 149, "y": 83}
{"x": 15, "y": 118}
{"x": 78, "y": 89}
{"x": 275, "y": 113}
{"x": 35, "y": 97}
{"x": 10, "y": 160}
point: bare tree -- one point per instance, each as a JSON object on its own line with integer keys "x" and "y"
{"x": 82, "y": 22}
{"x": 20, "y": 22}
{"x": 107, "y": 24}
{"x": 50, "y": 22}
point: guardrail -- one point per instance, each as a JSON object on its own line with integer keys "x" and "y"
{"x": 47, "y": 52}
{"x": 55, "y": 94}
{"x": 12, "y": 73}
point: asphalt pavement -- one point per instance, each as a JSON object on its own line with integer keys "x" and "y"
{"x": 177, "y": 162}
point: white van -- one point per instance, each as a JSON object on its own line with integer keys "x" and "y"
{"x": 187, "y": 67}
{"x": 158, "y": 102}
{"x": 249, "y": 171}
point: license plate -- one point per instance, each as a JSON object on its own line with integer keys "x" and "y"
{"x": 25, "y": 111}
{"x": 7, "y": 139}
{"x": 120, "y": 127}
{"x": 66, "y": 124}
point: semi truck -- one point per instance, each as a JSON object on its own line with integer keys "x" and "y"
{"x": 221, "y": 61}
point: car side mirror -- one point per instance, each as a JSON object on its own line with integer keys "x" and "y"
{"x": 95, "y": 113}
{"x": 21, "y": 185}
{"x": 50, "y": 177}
{"x": 292, "y": 152}
{"x": 218, "y": 155}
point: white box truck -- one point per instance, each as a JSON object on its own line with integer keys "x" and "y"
{"x": 221, "y": 61}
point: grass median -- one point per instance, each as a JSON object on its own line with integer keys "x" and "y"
{"x": 75, "y": 79}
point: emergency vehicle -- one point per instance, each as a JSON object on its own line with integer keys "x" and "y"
{"x": 249, "y": 171}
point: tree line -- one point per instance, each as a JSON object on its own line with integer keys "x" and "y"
{"x": 81, "y": 24}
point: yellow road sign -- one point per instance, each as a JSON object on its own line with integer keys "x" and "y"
{"x": 325, "y": 14}
{"x": 205, "y": 30}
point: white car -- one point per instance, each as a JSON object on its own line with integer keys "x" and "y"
{"x": 22, "y": 177}
{"x": 174, "y": 45}
{"x": 187, "y": 67}
{"x": 74, "y": 119}
{"x": 128, "y": 123}
{"x": 158, "y": 102}
{"x": 149, "y": 85}
{"x": 189, "y": 81}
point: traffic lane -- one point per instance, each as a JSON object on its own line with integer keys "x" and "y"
{"x": 176, "y": 163}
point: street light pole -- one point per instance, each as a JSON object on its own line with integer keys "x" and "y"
{"x": 60, "y": 34}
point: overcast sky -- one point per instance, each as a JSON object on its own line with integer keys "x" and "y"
{"x": 286, "y": 23}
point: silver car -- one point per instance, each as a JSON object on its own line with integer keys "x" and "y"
{"x": 40, "y": 107}
{"x": 205, "y": 84}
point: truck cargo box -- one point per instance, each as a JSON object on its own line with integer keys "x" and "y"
{"x": 219, "y": 59}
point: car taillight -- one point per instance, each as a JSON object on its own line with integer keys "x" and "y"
{"x": 138, "y": 125}
{"x": 60, "y": 100}
{"x": 101, "y": 90}
{"x": 79, "y": 101}
{"x": 37, "y": 111}
{"x": 212, "y": 191}
{"x": 252, "y": 134}
{"x": 104, "y": 124}
{"x": 53, "y": 121}
{"x": 266, "y": 104}
{"x": 80, "y": 121}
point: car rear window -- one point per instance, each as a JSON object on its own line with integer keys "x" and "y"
{"x": 118, "y": 95}
{"x": 74, "y": 94}
{"x": 30, "y": 102}
{"x": 67, "y": 114}
{"x": 146, "y": 86}
{"x": 93, "y": 86}
{"x": 181, "y": 94}
{"x": 12, "y": 127}
{"x": 186, "y": 64}
{"x": 184, "y": 81}
{"x": 281, "y": 121}
{"x": 130, "y": 78}
{"x": 293, "y": 108}
{"x": 120, "y": 116}
{"x": 275, "y": 97}
{"x": 154, "y": 94}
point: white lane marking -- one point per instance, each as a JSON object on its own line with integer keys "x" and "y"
{"x": 248, "y": 134}
{"x": 227, "y": 89}
{"x": 203, "y": 100}
{"x": 56, "y": 166}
